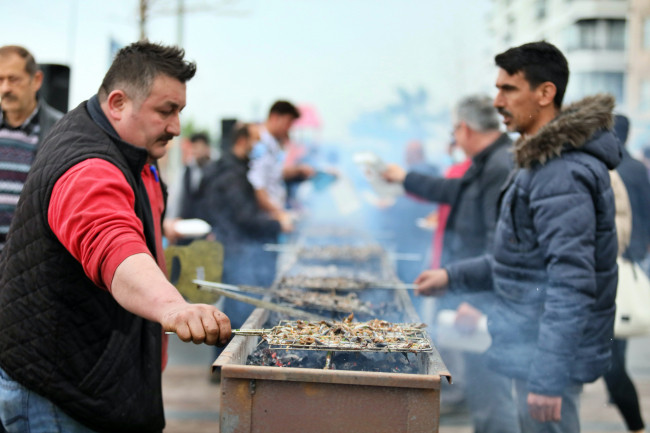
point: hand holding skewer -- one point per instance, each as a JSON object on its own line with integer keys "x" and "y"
{"x": 394, "y": 173}
{"x": 432, "y": 282}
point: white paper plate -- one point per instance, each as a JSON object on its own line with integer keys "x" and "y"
{"x": 451, "y": 338}
{"x": 192, "y": 228}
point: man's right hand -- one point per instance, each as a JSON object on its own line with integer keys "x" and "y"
{"x": 545, "y": 408}
{"x": 394, "y": 173}
{"x": 198, "y": 323}
{"x": 432, "y": 282}
{"x": 141, "y": 288}
{"x": 286, "y": 221}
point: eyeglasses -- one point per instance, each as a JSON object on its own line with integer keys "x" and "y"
{"x": 455, "y": 128}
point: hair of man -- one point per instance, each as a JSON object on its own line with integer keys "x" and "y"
{"x": 283, "y": 108}
{"x": 31, "y": 67}
{"x": 200, "y": 137}
{"x": 540, "y": 62}
{"x": 241, "y": 131}
{"x": 478, "y": 112}
{"x": 136, "y": 66}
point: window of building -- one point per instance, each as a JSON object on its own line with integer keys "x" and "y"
{"x": 587, "y": 34}
{"x": 583, "y": 84}
{"x": 592, "y": 34}
{"x": 615, "y": 34}
{"x": 646, "y": 33}
{"x": 644, "y": 100}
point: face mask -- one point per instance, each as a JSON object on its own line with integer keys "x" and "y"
{"x": 457, "y": 155}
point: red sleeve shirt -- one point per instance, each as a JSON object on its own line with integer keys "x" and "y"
{"x": 91, "y": 212}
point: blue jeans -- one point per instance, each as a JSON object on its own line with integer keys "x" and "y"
{"x": 490, "y": 397}
{"x": 570, "y": 416}
{"x": 22, "y": 410}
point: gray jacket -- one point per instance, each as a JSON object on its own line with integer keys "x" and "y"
{"x": 47, "y": 117}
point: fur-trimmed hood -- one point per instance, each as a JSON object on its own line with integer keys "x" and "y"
{"x": 585, "y": 124}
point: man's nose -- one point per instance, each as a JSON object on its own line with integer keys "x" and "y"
{"x": 498, "y": 101}
{"x": 4, "y": 86}
{"x": 174, "y": 126}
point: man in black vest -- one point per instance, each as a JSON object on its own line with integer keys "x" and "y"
{"x": 84, "y": 299}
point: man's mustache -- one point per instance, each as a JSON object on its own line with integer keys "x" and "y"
{"x": 165, "y": 137}
{"x": 504, "y": 112}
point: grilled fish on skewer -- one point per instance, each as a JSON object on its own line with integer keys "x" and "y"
{"x": 373, "y": 335}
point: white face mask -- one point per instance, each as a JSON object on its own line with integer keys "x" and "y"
{"x": 457, "y": 155}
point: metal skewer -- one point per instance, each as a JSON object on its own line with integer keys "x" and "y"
{"x": 293, "y": 312}
{"x": 398, "y": 286}
{"x": 251, "y": 332}
{"x": 279, "y": 247}
{"x": 411, "y": 257}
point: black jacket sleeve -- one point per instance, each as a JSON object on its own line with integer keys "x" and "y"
{"x": 432, "y": 188}
{"x": 228, "y": 196}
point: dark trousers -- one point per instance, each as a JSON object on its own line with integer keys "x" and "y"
{"x": 621, "y": 388}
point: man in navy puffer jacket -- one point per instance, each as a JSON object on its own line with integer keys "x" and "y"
{"x": 553, "y": 263}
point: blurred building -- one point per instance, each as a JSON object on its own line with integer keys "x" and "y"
{"x": 591, "y": 33}
{"x": 638, "y": 80}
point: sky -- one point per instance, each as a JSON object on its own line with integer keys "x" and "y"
{"x": 347, "y": 58}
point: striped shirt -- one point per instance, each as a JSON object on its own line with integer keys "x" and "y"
{"x": 17, "y": 150}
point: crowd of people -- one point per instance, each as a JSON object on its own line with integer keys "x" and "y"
{"x": 529, "y": 241}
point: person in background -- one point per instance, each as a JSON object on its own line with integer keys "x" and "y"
{"x": 25, "y": 120}
{"x": 553, "y": 262}
{"x": 84, "y": 299}
{"x": 401, "y": 218}
{"x": 455, "y": 171}
{"x": 230, "y": 206}
{"x": 468, "y": 233}
{"x": 186, "y": 195}
{"x": 268, "y": 174}
{"x": 637, "y": 187}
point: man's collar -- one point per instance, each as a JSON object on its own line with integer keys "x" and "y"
{"x": 96, "y": 113}
{"x": 26, "y": 126}
{"x": 502, "y": 139}
{"x": 267, "y": 137}
{"x": 136, "y": 156}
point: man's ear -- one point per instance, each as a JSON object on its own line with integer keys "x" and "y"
{"x": 546, "y": 93}
{"x": 38, "y": 80}
{"x": 116, "y": 103}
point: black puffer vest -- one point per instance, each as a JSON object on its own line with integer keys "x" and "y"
{"x": 62, "y": 336}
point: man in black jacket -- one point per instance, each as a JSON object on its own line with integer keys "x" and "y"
{"x": 238, "y": 222}
{"x": 635, "y": 177}
{"x": 468, "y": 233}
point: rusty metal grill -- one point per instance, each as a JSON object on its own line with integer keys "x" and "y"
{"x": 296, "y": 393}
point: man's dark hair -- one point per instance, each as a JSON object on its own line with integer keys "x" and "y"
{"x": 241, "y": 131}
{"x": 540, "y": 62}
{"x": 284, "y": 107}
{"x": 200, "y": 136}
{"x": 30, "y": 64}
{"x": 621, "y": 127}
{"x": 136, "y": 66}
